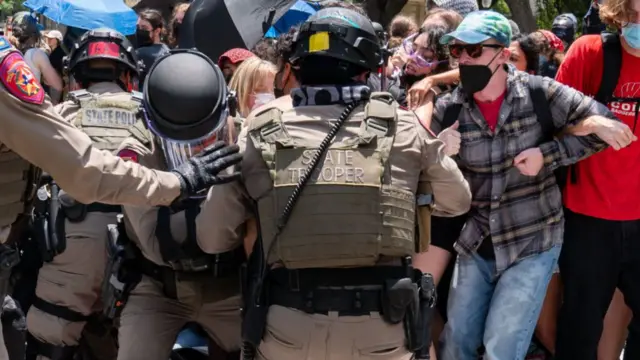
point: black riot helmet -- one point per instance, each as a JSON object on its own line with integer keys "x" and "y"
{"x": 341, "y": 35}
{"x": 24, "y": 25}
{"x": 565, "y": 27}
{"x": 102, "y": 44}
{"x": 186, "y": 103}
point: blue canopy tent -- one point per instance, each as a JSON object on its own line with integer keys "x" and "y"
{"x": 88, "y": 14}
{"x": 297, "y": 14}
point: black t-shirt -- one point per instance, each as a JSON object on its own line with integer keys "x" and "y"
{"x": 148, "y": 55}
{"x": 56, "y": 59}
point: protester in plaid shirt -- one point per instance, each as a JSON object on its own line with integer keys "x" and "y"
{"x": 510, "y": 244}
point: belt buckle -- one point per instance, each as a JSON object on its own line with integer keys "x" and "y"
{"x": 294, "y": 280}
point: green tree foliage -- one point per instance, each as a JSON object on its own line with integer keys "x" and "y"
{"x": 10, "y": 7}
{"x": 549, "y": 9}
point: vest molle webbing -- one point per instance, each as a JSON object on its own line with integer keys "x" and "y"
{"x": 106, "y": 118}
{"x": 349, "y": 214}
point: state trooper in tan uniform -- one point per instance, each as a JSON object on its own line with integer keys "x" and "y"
{"x": 32, "y": 134}
{"x": 338, "y": 183}
{"x": 179, "y": 282}
{"x": 102, "y": 66}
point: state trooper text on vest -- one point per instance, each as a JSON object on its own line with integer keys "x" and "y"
{"x": 108, "y": 117}
{"x": 339, "y": 166}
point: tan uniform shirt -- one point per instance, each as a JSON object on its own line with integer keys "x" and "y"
{"x": 44, "y": 139}
{"x": 141, "y": 220}
{"x": 417, "y": 163}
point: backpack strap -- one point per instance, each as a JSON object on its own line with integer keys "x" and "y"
{"x": 541, "y": 106}
{"x": 612, "y": 63}
{"x": 451, "y": 114}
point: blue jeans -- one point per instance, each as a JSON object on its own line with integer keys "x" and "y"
{"x": 499, "y": 313}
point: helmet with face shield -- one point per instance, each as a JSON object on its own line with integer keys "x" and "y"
{"x": 186, "y": 104}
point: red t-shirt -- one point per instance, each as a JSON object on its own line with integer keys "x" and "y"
{"x": 491, "y": 111}
{"x": 608, "y": 183}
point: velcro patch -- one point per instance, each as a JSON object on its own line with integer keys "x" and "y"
{"x": 19, "y": 80}
{"x": 108, "y": 117}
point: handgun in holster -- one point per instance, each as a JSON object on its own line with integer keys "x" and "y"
{"x": 48, "y": 226}
{"x": 121, "y": 276}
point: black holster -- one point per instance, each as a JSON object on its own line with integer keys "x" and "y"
{"x": 427, "y": 302}
{"x": 121, "y": 275}
{"x": 48, "y": 224}
{"x": 255, "y": 306}
{"x": 411, "y": 301}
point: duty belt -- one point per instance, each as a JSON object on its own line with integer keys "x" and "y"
{"x": 224, "y": 265}
{"x": 350, "y": 292}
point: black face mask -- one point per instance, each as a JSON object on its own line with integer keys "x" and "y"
{"x": 176, "y": 30}
{"x": 474, "y": 78}
{"x": 143, "y": 37}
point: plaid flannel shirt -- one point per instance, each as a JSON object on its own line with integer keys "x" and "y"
{"x": 522, "y": 214}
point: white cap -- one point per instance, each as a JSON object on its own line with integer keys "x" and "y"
{"x": 54, "y": 34}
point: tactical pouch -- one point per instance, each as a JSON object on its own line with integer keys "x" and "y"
{"x": 120, "y": 276}
{"x": 400, "y": 302}
{"x": 397, "y": 296}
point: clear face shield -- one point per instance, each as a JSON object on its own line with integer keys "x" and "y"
{"x": 177, "y": 152}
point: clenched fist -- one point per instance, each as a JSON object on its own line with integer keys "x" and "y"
{"x": 529, "y": 162}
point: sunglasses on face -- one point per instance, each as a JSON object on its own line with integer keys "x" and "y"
{"x": 473, "y": 50}
{"x": 411, "y": 50}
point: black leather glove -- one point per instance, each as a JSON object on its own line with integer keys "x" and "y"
{"x": 13, "y": 314}
{"x": 205, "y": 169}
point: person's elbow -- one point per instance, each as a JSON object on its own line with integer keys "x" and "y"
{"x": 454, "y": 202}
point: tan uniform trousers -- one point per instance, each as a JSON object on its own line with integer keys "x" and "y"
{"x": 150, "y": 321}
{"x": 295, "y": 335}
{"x": 74, "y": 280}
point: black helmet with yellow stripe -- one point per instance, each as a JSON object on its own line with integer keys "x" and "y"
{"x": 341, "y": 34}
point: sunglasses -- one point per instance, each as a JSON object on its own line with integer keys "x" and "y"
{"x": 409, "y": 49}
{"x": 473, "y": 50}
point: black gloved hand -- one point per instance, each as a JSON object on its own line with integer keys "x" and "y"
{"x": 204, "y": 170}
{"x": 13, "y": 314}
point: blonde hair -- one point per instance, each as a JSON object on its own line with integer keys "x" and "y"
{"x": 617, "y": 12}
{"x": 172, "y": 38}
{"x": 247, "y": 78}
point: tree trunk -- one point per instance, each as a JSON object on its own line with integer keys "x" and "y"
{"x": 522, "y": 14}
{"x": 382, "y": 11}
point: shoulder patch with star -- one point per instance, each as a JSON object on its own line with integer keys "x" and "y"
{"x": 18, "y": 79}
